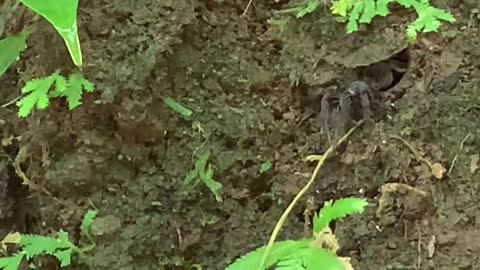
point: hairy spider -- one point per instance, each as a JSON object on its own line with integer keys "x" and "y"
{"x": 338, "y": 111}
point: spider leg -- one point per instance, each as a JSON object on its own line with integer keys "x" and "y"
{"x": 367, "y": 112}
{"x": 325, "y": 115}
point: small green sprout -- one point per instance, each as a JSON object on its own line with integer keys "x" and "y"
{"x": 178, "y": 108}
{"x": 62, "y": 15}
{"x": 203, "y": 172}
{"x": 39, "y": 92}
{"x": 60, "y": 246}
{"x": 308, "y": 254}
{"x": 265, "y": 167}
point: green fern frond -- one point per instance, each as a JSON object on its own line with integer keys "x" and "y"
{"x": 280, "y": 251}
{"x": 37, "y": 90}
{"x": 11, "y": 263}
{"x": 34, "y": 245}
{"x": 60, "y": 247}
{"x": 363, "y": 11}
{"x": 357, "y": 12}
{"x": 339, "y": 209}
{"x": 429, "y": 18}
{"x": 73, "y": 92}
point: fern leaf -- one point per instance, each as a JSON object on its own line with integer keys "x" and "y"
{"x": 309, "y": 8}
{"x": 60, "y": 83}
{"x": 63, "y": 251}
{"x": 64, "y": 257}
{"x": 73, "y": 92}
{"x": 37, "y": 90}
{"x": 369, "y": 11}
{"x": 363, "y": 11}
{"x": 34, "y": 245}
{"x": 342, "y": 7}
{"x": 11, "y": 263}
{"x": 352, "y": 25}
{"x": 87, "y": 222}
{"x": 382, "y": 7}
{"x": 280, "y": 250}
{"x": 332, "y": 211}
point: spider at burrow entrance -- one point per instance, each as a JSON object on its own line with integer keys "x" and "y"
{"x": 338, "y": 111}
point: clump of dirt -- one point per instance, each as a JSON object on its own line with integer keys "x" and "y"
{"x": 255, "y": 94}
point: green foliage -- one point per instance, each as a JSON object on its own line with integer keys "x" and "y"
{"x": 60, "y": 246}
{"x": 36, "y": 245}
{"x": 265, "y": 167}
{"x": 63, "y": 17}
{"x": 203, "y": 172}
{"x": 73, "y": 89}
{"x": 177, "y": 107}
{"x": 304, "y": 254}
{"x": 11, "y": 263}
{"x": 340, "y": 209}
{"x": 279, "y": 252}
{"x": 39, "y": 92}
{"x": 87, "y": 221}
{"x": 10, "y": 49}
{"x": 363, "y": 11}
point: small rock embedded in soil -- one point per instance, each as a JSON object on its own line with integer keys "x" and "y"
{"x": 447, "y": 239}
{"x": 402, "y": 201}
{"x": 106, "y": 225}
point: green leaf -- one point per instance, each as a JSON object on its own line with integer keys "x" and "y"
{"x": 280, "y": 251}
{"x": 317, "y": 258}
{"x": 214, "y": 186}
{"x": 62, "y": 14}
{"x": 11, "y": 263}
{"x": 64, "y": 256}
{"x": 87, "y": 222}
{"x": 363, "y": 11}
{"x": 73, "y": 92}
{"x": 177, "y": 107}
{"x": 10, "y": 49}
{"x": 265, "y": 167}
{"x": 37, "y": 90}
{"x": 203, "y": 172}
{"x": 34, "y": 245}
{"x": 341, "y": 208}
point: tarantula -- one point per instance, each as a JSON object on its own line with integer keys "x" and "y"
{"x": 335, "y": 119}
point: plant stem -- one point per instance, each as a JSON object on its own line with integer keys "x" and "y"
{"x": 321, "y": 159}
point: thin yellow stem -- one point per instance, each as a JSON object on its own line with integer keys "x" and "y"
{"x": 247, "y": 7}
{"x": 281, "y": 221}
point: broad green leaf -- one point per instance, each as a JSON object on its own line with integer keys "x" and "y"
{"x": 339, "y": 209}
{"x": 280, "y": 250}
{"x": 62, "y": 14}
{"x": 11, "y": 263}
{"x": 10, "y": 49}
{"x": 316, "y": 258}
